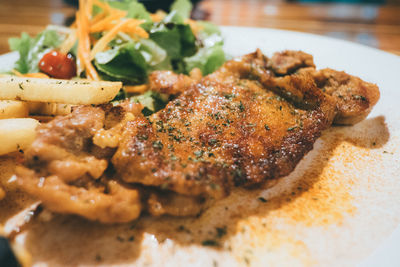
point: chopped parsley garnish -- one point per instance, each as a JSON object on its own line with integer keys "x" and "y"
{"x": 210, "y": 242}
{"x": 262, "y": 199}
{"x": 157, "y": 145}
{"x": 198, "y": 153}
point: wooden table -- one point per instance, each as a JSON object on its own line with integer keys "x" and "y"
{"x": 376, "y": 26}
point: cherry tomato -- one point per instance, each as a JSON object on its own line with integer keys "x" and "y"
{"x": 58, "y": 65}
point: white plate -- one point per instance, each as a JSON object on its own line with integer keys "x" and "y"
{"x": 371, "y": 65}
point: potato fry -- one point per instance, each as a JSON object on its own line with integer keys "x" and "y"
{"x": 13, "y": 109}
{"x": 58, "y": 91}
{"x": 16, "y": 134}
{"x": 50, "y": 109}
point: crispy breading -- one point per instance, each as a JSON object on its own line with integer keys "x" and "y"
{"x": 67, "y": 172}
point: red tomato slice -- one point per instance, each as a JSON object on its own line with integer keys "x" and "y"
{"x": 58, "y": 65}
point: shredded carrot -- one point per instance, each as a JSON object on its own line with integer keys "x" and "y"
{"x": 108, "y": 25}
{"x": 137, "y": 89}
{"x": 89, "y": 9}
{"x": 68, "y": 43}
{"x": 73, "y": 25}
{"x": 133, "y": 28}
{"x": 97, "y": 18}
{"x": 103, "y": 42}
{"x": 30, "y": 75}
{"x": 80, "y": 66}
{"x": 36, "y": 75}
{"x": 17, "y": 73}
{"x": 84, "y": 42}
{"x": 102, "y": 24}
{"x": 81, "y": 61}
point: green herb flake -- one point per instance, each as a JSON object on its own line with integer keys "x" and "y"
{"x": 158, "y": 145}
{"x": 262, "y": 199}
{"x": 198, "y": 153}
{"x": 241, "y": 107}
{"x": 212, "y": 141}
{"x": 359, "y": 97}
{"x": 210, "y": 242}
{"x": 142, "y": 137}
{"x": 229, "y": 96}
{"x": 221, "y": 231}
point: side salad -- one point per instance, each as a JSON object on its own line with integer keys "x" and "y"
{"x": 121, "y": 41}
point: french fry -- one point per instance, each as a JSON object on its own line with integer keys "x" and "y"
{"x": 13, "y": 109}
{"x": 49, "y": 109}
{"x": 58, "y": 91}
{"x": 16, "y": 134}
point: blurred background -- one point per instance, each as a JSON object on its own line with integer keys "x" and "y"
{"x": 374, "y": 23}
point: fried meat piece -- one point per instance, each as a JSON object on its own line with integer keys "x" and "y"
{"x": 354, "y": 97}
{"x": 168, "y": 82}
{"x": 288, "y": 61}
{"x": 227, "y": 130}
{"x": 105, "y": 201}
{"x": 167, "y": 202}
{"x": 67, "y": 171}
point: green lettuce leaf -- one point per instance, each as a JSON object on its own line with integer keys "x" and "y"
{"x": 124, "y": 63}
{"x": 209, "y": 35}
{"x": 152, "y": 53}
{"x": 187, "y": 39}
{"x": 22, "y": 45}
{"x": 207, "y": 59}
{"x": 120, "y": 4}
{"x": 182, "y": 7}
{"x": 177, "y": 39}
{"x": 211, "y": 55}
{"x": 31, "y": 50}
{"x": 138, "y": 11}
{"x": 131, "y": 62}
{"x": 152, "y": 102}
{"x": 168, "y": 39}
